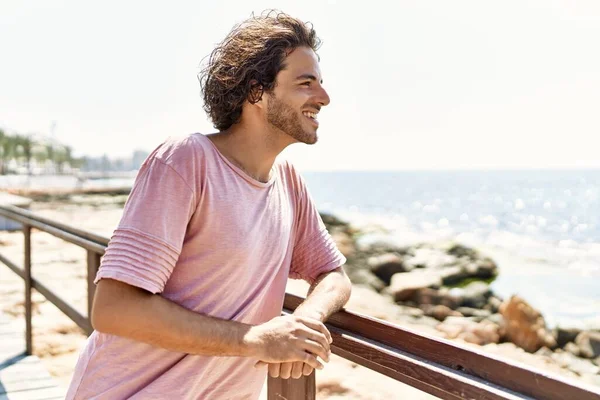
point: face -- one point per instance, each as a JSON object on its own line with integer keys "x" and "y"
{"x": 293, "y": 105}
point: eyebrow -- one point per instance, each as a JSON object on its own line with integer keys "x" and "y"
{"x": 309, "y": 77}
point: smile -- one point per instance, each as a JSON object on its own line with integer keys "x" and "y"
{"x": 311, "y": 116}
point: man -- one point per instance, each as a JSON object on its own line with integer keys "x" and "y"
{"x": 191, "y": 287}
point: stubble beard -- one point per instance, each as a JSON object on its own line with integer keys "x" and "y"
{"x": 283, "y": 117}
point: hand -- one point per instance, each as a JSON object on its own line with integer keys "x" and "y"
{"x": 290, "y": 339}
{"x": 287, "y": 370}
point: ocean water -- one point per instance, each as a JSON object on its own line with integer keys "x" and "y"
{"x": 541, "y": 227}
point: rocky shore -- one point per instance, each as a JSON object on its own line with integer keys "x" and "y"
{"x": 439, "y": 289}
{"x": 443, "y": 289}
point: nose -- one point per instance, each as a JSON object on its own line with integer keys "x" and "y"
{"x": 323, "y": 97}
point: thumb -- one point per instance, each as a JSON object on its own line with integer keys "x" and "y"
{"x": 259, "y": 364}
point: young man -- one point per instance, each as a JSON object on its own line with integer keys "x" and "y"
{"x": 191, "y": 287}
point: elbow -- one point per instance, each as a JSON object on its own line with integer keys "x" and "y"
{"x": 347, "y": 288}
{"x": 98, "y": 317}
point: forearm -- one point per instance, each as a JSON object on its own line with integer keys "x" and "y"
{"x": 327, "y": 295}
{"x": 133, "y": 313}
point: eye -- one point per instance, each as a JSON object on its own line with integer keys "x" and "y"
{"x": 307, "y": 83}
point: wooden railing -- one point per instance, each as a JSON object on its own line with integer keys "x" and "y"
{"x": 438, "y": 367}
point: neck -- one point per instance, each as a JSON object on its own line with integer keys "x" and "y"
{"x": 253, "y": 150}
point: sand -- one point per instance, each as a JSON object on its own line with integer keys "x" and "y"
{"x": 62, "y": 267}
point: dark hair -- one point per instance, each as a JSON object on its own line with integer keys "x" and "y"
{"x": 246, "y": 63}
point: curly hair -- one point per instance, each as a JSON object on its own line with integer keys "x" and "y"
{"x": 245, "y": 64}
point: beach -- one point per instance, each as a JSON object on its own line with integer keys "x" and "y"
{"x": 61, "y": 266}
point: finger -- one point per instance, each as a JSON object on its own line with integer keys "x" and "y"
{"x": 297, "y": 368}
{"x": 316, "y": 349}
{"x": 318, "y": 338}
{"x": 307, "y": 369}
{"x": 274, "y": 370}
{"x": 286, "y": 370}
{"x": 312, "y": 361}
{"x": 317, "y": 326}
{"x": 259, "y": 364}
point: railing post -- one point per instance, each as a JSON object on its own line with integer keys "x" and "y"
{"x": 28, "y": 306}
{"x": 292, "y": 389}
{"x": 93, "y": 263}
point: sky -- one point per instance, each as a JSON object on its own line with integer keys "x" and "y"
{"x": 413, "y": 84}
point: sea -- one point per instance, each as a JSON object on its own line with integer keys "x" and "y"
{"x": 542, "y": 227}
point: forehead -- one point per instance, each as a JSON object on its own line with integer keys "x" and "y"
{"x": 301, "y": 61}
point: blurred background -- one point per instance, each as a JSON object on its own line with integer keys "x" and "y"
{"x": 470, "y": 122}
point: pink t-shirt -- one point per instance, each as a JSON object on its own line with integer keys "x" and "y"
{"x": 204, "y": 234}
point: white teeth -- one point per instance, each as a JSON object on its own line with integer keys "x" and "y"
{"x": 310, "y": 115}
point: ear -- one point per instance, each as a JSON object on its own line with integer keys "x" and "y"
{"x": 256, "y": 92}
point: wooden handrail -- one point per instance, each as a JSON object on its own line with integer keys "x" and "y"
{"x": 436, "y": 366}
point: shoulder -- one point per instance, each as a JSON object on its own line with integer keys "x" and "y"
{"x": 183, "y": 154}
{"x": 291, "y": 177}
{"x": 180, "y": 151}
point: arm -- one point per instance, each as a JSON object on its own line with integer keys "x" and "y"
{"x": 134, "y": 313}
{"x": 327, "y": 295}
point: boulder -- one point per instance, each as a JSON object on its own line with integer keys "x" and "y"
{"x": 344, "y": 242}
{"x": 589, "y": 344}
{"x": 404, "y": 285}
{"x": 476, "y": 294}
{"x": 565, "y": 335}
{"x": 525, "y": 326}
{"x": 430, "y": 258}
{"x": 461, "y": 328}
{"x": 493, "y": 304}
{"x": 332, "y": 221}
{"x": 477, "y": 314}
{"x": 439, "y": 312}
{"x": 578, "y": 365}
{"x": 365, "y": 277}
{"x": 386, "y": 265}
{"x": 443, "y": 296}
{"x": 453, "y": 275}
{"x": 572, "y": 348}
{"x": 459, "y": 250}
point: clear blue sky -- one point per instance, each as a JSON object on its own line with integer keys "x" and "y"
{"x": 414, "y": 85}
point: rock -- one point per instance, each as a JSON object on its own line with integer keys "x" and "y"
{"x": 444, "y": 296}
{"x": 459, "y": 250}
{"x": 476, "y": 294}
{"x": 330, "y": 220}
{"x": 453, "y": 275}
{"x": 404, "y": 285}
{"x": 575, "y": 364}
{"x": 565, "y": 335}
{"x": 366, "y": 301}
{"x": 544, "y": 351}
{"x": 486, "y": 268}
{"x": 477, "y": 314}
{"x": 572, "y": 348}
{"x": 430, "y": 258}
{"x": 364, "y": 277}
{"x": 493, "y": 304}
{"x": 439, "y": 312}
{"x": 386, "y": 265}
{"x": 540, "y": 361}
{"x": 344, "y": 242}
{"x": 525, "y": 326}
{"x": 499, "y": 320}
{"x": 589, "y": 344}
{"x": 479, "y": 333}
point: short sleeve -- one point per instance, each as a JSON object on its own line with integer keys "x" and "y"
{"x": 145, "y": 246}
{"x": 314, "y": 251}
